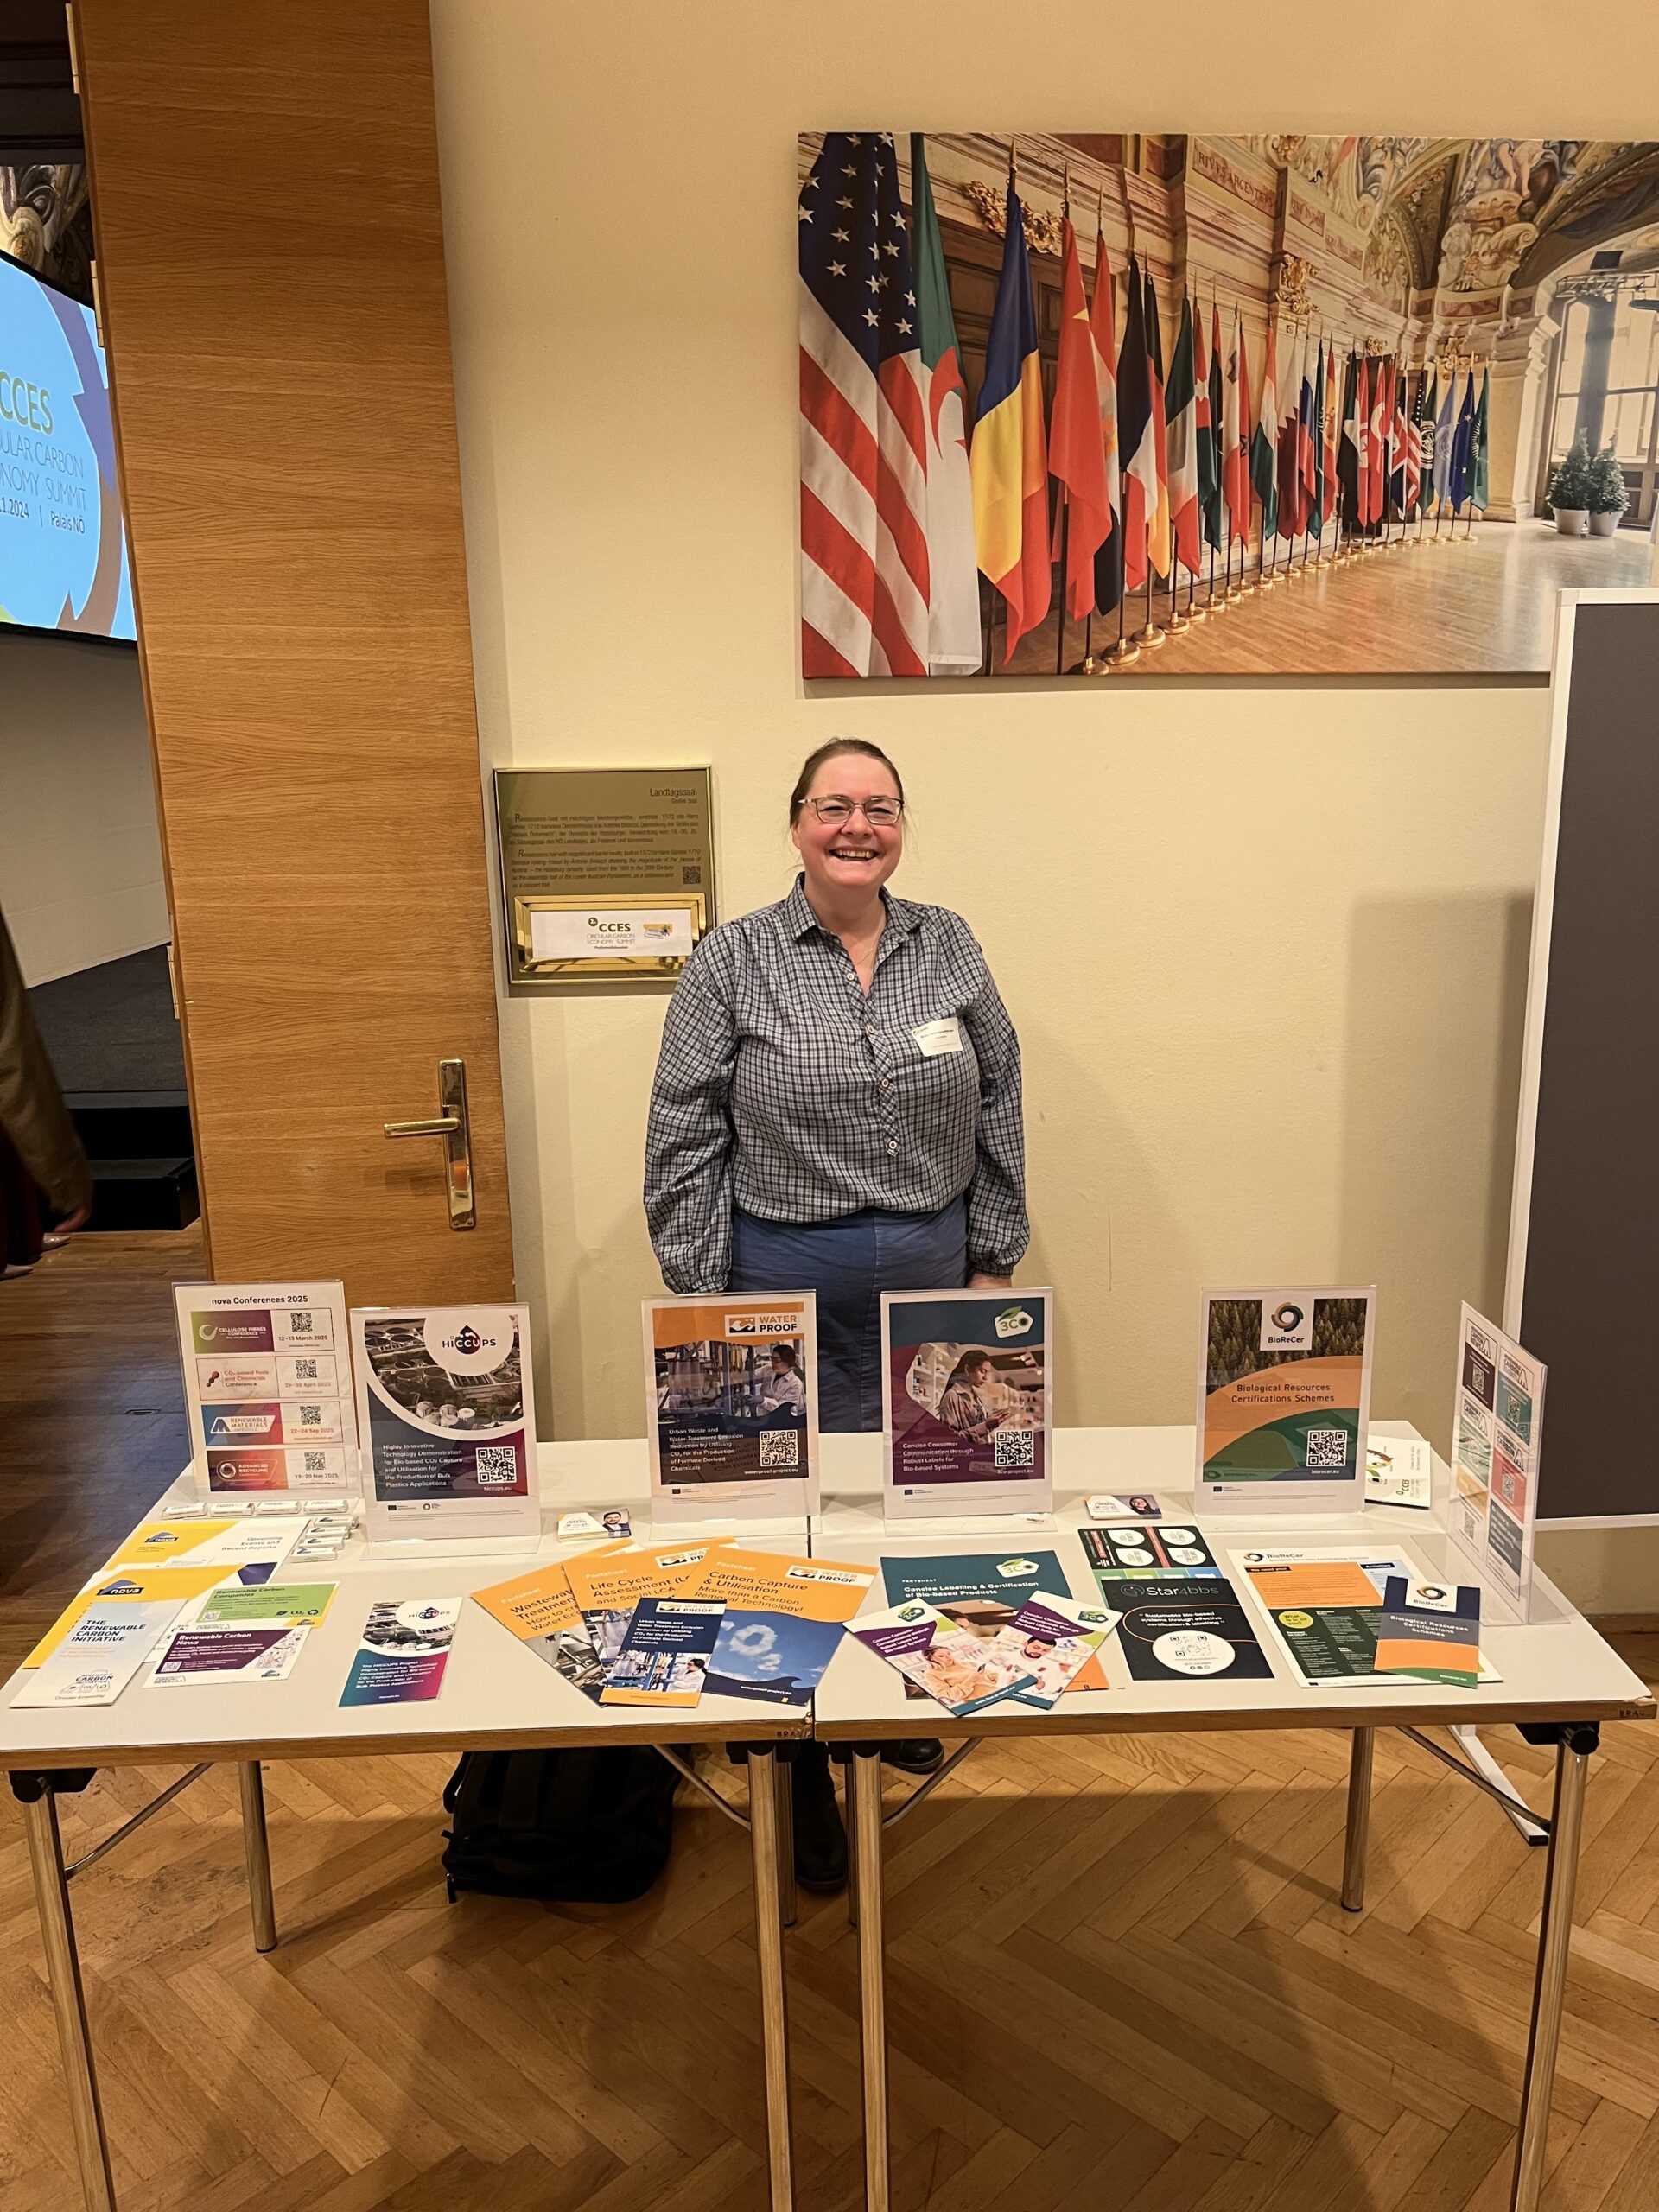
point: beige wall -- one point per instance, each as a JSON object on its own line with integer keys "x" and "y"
{"x": 1266, "y": 946}
{"x": 80, "y": 855}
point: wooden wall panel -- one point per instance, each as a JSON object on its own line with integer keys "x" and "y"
{"x": 270, "y": 270}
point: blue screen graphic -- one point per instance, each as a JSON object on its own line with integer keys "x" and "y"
{"x": 63, "y": 547}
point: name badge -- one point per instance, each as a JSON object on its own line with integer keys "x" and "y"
{"x": 936, "y": 1037}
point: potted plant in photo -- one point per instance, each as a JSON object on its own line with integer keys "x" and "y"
{"x": 1569, "y": 488}
{"x": 1608, "y": 497}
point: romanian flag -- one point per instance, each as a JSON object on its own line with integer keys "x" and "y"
{"x": 1109, "y": 561}
{"x": 1263, "y": 442}
{"x": 1077, "y": 452}
{"x": 1183, "y": 447}
{"x": 1008, "y": 460}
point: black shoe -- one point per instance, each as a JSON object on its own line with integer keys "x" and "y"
{"x": 915, "y": 1755}
{"x": 820, "y": 1839}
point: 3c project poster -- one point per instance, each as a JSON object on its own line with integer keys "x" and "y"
{"x": 967, "y": 1401}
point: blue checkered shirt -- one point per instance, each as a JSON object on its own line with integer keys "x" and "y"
{"x": 782, "y": 1089}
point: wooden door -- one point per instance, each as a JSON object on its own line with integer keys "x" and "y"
{"x": 271, "y": 283}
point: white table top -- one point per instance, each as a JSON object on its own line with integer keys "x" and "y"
{"x": 498, "y": 1695}
{"x": 1556, "y": 1667}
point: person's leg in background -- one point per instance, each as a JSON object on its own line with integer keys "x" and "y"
{"x": 20, "y": 1236}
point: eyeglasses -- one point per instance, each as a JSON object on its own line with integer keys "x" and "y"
{"x": 880, "y": 813}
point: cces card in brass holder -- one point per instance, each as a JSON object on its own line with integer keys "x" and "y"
{"x": 607, "y": 874}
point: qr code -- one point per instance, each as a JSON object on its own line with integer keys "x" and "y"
{"x": 305, "y": 1370}
{"x": 1327, "y": 1447}
{"x": 310, "y": 1416}
{"x": 497, "y": 1466}
{"x": 779, "y": 1447}
{"x": 316, "y": 1463}
{"x": 689, "y": 875}
{"x": 1016, "y": 1447}
{"x": 299, "y": 1324}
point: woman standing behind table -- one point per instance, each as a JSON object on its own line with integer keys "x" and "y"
{"x": 836, "y": 1109}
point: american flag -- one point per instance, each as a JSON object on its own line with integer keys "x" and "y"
{"x": 864, "y": 565}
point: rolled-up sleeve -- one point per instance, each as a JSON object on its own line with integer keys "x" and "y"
{"x": 688, "y": 1135}
{"x": 998, "y": 1229}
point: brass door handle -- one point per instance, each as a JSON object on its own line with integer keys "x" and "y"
{"x": 450, "y": 1123}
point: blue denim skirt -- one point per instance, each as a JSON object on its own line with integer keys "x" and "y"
{"x": 848, "y": 1264}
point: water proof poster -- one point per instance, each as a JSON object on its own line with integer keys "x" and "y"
{"x": 732, "y": 1406}
{"x": 966, "y": 1402}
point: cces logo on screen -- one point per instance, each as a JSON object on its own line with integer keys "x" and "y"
{"x": 29, "y": 405}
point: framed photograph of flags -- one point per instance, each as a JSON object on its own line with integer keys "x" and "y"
{"x": 1092, "y": 404}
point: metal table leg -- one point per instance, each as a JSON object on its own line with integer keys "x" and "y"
{"x": 769, "y": 1953}
{"x": 1573, "y": 1745}
{"x": 866, "y": 1841}
{"x": 40, "y": 1810}
{"x": 1359, "y": 1820}
{"x": 257, "y": 1846}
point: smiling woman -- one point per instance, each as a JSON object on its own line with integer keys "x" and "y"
{"x": 837, "y": 1110}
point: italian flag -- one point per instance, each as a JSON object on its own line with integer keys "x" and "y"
{"x": 953, "y": 640}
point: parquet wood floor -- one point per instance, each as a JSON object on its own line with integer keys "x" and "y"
{"x": 1120, "y": 1979}
{"x": 1485, "y": 607}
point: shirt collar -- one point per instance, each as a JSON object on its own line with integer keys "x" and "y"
{"x": 904, "y": 916}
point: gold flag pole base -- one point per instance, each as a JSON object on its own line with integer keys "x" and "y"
{"x": 1176, "y": 623}
{"x": 1151, "y": 637}
{"x": 1122, "y": 654}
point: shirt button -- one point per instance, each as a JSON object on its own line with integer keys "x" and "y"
{"x": 886, "y": 1085}
{"x": 869, "y": 1033}
{"x": 893, "y": 1144}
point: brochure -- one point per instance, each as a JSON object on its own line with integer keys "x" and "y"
{"x": 966, "y": 1402}
{"x": 981, "y": 1591}
{"x": 540, "y": 1609}
{"x": 1054, "y": 1638}
{"x": 269, "y": 1604}
{"x": 1284, "y": 1399}
{"x": 1498, "y": 1436}
{"x": 403, "y": 1652}
{"x": 1430, "y": 1631}
{"x": 960, "y": 1671}
{"x": 267, "y": 1385}
{"x": 172, "y": 1587}
{"x": 445, "y": 1409}
{"x": 731, "y": 1405}
{"x": 95, "y": 1659}
{"x": 1399, "y": 1470}
{"x": 1185, "y": 1629}
{"x": 1325, "y": 1603}
{"x": 664, "y": 1659}
{"x": 230, "y": 1655}
{"x": 1159, "y": 1549}
{"x": 227, "y": 1546}
{"x": 782, "y": 1621}
{"x": 607, "y": 1585}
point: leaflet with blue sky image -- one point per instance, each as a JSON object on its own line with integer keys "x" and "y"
{"x": 783, "y": 1620}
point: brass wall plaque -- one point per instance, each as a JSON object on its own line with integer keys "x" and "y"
{"x": 607, "y": 874}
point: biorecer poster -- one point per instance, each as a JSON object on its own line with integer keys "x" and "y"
{"x": 966, "y": 1399}
{"x": 1284, "y": 1398}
